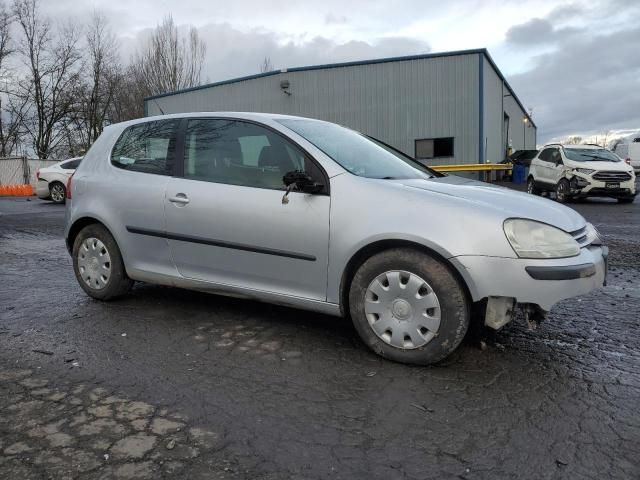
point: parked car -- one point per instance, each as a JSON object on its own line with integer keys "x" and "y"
{"x": 579, "y": 171}
{"x": 521, "y": 157}
{"x": 629, "y": 150}
{"x": 52, "y": 181}
{"x": 310, "y": 214}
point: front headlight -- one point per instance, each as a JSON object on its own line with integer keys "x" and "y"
{"x": 531, "y": 239}
{"x": 593, "y": 236}
{"x": 584, "y": 171}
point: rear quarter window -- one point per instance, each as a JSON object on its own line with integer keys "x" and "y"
{"x": 148, "y": 147}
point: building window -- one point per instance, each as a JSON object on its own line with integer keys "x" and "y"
{"x": 434, "y": 148}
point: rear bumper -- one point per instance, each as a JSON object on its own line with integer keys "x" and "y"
{"x": 557, "y": 279}
{"x": 42, "y": 189}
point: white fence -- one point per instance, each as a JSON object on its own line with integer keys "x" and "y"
{"x": 21, "y": 170}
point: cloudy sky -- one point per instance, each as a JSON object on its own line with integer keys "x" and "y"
{"x": 576, "y": 64}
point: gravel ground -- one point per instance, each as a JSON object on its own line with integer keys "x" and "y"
{"x": 168, "y": 383}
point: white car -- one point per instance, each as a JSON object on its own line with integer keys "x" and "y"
{"x": 630, "y": 151}
{"x": 52, "y": 181}
{"x": 579, "y": 171}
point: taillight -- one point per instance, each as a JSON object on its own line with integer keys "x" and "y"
{"x": 628, "y": 160}
{"x": 69, "y": 187}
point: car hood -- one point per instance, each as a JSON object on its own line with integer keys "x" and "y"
{"x": 509, "y": 202}
{"x": 610, "y": 166}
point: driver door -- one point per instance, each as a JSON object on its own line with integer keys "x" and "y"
{"x": 556, "y": 167}
{"x": 226, "y": 220}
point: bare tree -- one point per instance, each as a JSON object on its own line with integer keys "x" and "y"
{"x": 266, "y": 65}
{"x": 574, "y": 140}
{"x": 97, "y": 91}
{"x": 52, "y": 60}
{"x": 170, "y": 61}
{"x": 11, "y": 111}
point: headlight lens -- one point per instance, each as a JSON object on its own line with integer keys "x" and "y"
{"x": 531, "y": 239}
{"x": 593, "y": 236}
{"x": 584, "y": 171}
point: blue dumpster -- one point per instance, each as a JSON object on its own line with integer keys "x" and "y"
{"x": 519, "y": 174}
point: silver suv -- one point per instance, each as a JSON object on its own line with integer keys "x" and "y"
{"x": 313, "y": 215}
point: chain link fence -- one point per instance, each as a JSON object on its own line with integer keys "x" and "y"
{"x": 21, "y": 170}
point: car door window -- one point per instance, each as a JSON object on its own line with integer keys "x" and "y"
{"x": 240, "y": 153}
{"x": 555, "y": 158}
{"x": 545, "y": 155}
{"x": 147, "y": 147}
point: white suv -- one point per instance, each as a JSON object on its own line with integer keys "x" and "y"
{"x": 579, "y": 171}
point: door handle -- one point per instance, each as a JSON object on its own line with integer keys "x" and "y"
{"x": 180, "y": 199}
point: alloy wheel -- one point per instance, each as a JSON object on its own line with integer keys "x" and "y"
{"x": 57, "y": 193}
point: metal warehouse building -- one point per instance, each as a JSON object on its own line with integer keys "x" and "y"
{"x": 442, "y": 108}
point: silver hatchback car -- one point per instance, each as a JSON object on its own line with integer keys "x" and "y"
{"x": 310, "y": 214}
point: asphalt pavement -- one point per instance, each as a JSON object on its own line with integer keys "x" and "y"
{"x": 168, "y": 383}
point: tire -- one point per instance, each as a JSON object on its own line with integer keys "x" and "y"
{"x": 562, "y": 191}
{"x": 626, "y": 200}
{"x": 531, "y": 187}
{"x": 57, "y": 192}
{"x": 91, "y": 266}
{"x": 412, "y": 341}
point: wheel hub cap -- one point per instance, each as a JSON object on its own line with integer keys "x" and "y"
{"x": 94, "y": 263}
{"x": 402, "y": 309}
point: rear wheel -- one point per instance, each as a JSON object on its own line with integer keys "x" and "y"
{"x": 407, "y": 306}
{"x": 562, "y": 191}
{"x": 98, "y": 265}
{"x": 531, "y": 187}
{"x": 58, "y": 192}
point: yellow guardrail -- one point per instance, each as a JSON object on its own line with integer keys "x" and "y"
{"x": 473, "y": 167}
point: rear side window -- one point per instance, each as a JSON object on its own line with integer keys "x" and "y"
{"x": 71, "y": 164}
{"x": 147, "y": 147}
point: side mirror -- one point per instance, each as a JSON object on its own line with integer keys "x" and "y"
{"x": 302, "y": 181}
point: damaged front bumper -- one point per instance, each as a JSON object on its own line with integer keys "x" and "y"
{"x": 512, "y": 285}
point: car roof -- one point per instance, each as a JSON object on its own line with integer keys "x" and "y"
{"x": 573, "y": 146}
{"x": 256, "y": 116}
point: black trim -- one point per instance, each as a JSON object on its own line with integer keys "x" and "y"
{"x": 220, "y": 243}
{"x": 567, "y": 272}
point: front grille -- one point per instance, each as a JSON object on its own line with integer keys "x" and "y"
{"x": 612, "y": 176}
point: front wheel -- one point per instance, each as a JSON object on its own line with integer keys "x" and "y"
{"x": 98, "y": 265}
{"x": 407, "y": 306}
{"x": 562, "y": 191}
{"x": 57, "y": 192}
{"x": 531, "y": 187}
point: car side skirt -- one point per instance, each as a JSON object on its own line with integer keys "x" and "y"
{"x": 235, "y": 291}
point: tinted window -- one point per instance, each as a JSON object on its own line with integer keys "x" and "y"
{"x": 434, "y": 148}
{"x": 147, "y": 147}
{"x": 545, "y": 155}
{"x": 71, "y": 164}
{"x": 240, "y": 153}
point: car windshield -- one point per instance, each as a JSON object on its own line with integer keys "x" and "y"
{"x": 590, "y": 155}
{"x": 360, "y": 155}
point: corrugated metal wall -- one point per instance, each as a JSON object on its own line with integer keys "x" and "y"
{"x": 522, "y": 136}
{"x": 398, "y": 101}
